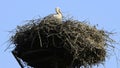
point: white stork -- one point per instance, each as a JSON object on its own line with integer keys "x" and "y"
{"x": 58, "y": 14}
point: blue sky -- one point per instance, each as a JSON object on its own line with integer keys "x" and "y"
{"x": 105, "y": 13}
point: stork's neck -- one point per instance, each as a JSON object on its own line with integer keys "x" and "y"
{"x": 58, "y": 12}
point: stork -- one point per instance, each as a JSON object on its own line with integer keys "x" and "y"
{"x": 58, "y": 14}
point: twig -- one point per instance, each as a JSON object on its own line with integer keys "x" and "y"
{"x": 76, "y": 38}
{"x": 40, "y": 39}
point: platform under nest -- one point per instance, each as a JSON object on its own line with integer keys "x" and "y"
{"x": 71, "y": 43}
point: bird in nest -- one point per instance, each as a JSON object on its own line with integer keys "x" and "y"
{"x": 58, "y": 14}
{"x": 57, "y": 17}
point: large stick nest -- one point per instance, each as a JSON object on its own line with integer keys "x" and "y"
{"x": 69, "y": 43}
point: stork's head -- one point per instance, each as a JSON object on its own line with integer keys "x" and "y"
{"x": 58, "y": 11}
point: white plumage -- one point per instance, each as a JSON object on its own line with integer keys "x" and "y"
{"x": 58, "y": 14}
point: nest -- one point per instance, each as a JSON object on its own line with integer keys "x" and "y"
{"x": 71, "y": 43}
